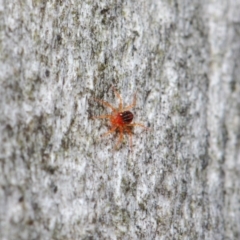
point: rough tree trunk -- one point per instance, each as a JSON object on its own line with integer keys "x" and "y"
{"x": 59, "y": 179}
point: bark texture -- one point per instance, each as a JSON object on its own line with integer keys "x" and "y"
{"x": 59, "y": 179}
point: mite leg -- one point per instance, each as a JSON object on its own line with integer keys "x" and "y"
{"x": 106, "y": 104}
{"x": 130, "y": 137}
{"x": 138, "y": 124}
{"x": 120, "y": 99}
{"x": 109, "y": 132}
{"x": 102, "y": 116}
{"x": 132, "y": 105}
{"x": 120, "y": 139}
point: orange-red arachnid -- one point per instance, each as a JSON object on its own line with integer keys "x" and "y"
{"x": 120, "y": 119}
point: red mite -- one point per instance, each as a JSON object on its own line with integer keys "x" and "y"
{"x": 120, "y": 118}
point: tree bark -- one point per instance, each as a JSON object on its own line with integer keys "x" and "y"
{"x": 59, "y": 179}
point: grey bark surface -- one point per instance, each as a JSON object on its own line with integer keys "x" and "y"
{"x": 59, "y": 179}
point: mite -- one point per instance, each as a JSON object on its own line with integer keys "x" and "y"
{"x": 120, "y": 118}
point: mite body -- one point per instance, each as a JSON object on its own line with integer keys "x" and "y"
{"x": 120, "y": 119}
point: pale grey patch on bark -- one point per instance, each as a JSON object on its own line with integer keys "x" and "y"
{"x": 59, "y": 179}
